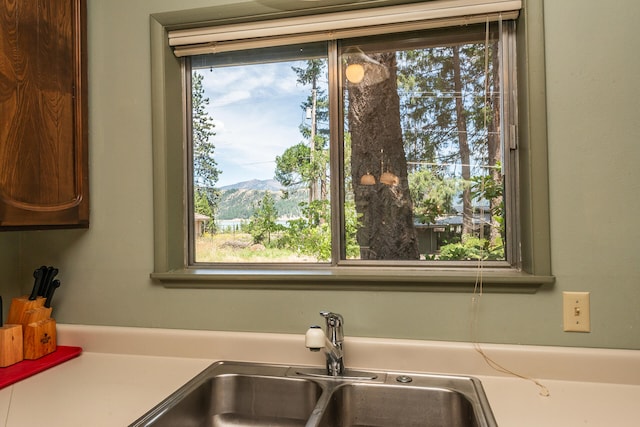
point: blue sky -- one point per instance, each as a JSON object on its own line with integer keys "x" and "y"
{"x": 256, "y": 111}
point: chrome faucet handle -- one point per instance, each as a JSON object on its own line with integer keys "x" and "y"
{"x": 334, "y": 319}
{"x": 334, "y": 326}
{"x": 331, "y": 341}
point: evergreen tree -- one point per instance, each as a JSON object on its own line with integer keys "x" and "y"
{"x": 264, "y": 220}
{"x": 205, "y": 168}
{"x": 201, "y": 205}
{"x": 452, "y": 116}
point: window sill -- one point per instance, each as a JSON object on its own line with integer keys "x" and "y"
{"x": 358, "y": 278}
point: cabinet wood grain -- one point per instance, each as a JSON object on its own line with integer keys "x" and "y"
{"x": 43, "y": 114}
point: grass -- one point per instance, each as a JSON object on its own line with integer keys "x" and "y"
{"x": 238, "y": 247}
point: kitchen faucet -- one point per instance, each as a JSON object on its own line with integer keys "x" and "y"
{"x": 332, "y": 342}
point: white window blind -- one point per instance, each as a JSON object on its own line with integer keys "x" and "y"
{"x": 339, "y": 25}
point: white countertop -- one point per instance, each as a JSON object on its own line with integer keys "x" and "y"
{"x": 123, "y": 372}
{"x": 95, "y": 389}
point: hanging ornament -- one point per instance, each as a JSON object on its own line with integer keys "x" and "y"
{"x": 389, "y": 179}
{"x": 367, "y": 179}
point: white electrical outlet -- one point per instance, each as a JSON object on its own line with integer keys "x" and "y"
{"x": 576, "y": 312}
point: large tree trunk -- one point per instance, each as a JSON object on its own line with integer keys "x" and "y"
{"x": 386, "y": 228}
{"x": 463, "y": 142}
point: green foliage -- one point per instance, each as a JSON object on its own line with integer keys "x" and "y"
{"x": 431, "y": 71}
{"x": 205, "y": 168}
{"x": 449, "y": 118}
{"x": 471, "y": 248}
{"x": 488, "y": 188}
{"x": 310, "y": 234}
{"x": 264, "y": 220}
{"x": 432, "y": 195}
{"x": 314, "y": 71}
{"x": 351, "y": 225}
{"x": 202, "y": 205}
{"x": 293, "y": 167}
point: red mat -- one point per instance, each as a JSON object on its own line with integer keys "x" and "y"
{"x": 26, "y": 368}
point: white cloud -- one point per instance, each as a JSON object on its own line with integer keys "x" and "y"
{"x": 230, "y": 98}
{"x": 257, "y": 112}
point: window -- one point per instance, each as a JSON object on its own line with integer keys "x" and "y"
{"x": 384, "y": 157}
{"x": 254, "y": 114}
{"x": 419, "y": 117}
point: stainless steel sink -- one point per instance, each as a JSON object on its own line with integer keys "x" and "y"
{"x": 249, "y": 394}
{"x": 381, "y": 406}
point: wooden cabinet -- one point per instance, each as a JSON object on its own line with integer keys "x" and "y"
{"x": 43, "y": 114}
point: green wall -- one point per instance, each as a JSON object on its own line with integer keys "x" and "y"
{"x": 9, "y": 284}
{"x": 594, "y": 148}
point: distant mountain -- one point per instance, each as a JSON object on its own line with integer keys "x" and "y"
{"x": 240, "y": 200}
{"x": 255, "y": 184}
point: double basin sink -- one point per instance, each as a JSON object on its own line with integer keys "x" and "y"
{"x": 253, "y": 394}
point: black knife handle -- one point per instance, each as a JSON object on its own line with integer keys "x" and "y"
{"x": 38, "y": 275}
{"x": 43, "y": 283}
{"x": 50, "y": 290}
{"x": 48, "y": 278}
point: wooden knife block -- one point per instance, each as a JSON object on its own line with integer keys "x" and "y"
{"x": 35, "y": 315}
{"x": 38, "y": 337}
{"x": 20, "y": 306}
{"x": 10, "y": 345}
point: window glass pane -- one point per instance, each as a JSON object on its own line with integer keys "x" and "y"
{"x": 421, "y": 142}
{"x": 423, "y": 151}
{"x": 260, "y": 156}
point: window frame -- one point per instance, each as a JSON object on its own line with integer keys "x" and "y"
{"x": 171, "y": 266}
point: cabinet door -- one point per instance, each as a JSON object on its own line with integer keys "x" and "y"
{"x": 43, "y": 114}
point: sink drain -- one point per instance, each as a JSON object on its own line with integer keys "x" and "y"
{"x": 404, "y": 379}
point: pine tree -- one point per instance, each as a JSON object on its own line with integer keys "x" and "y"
{"x": 264, "y": 220}
{"x": 205, "y": 168}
